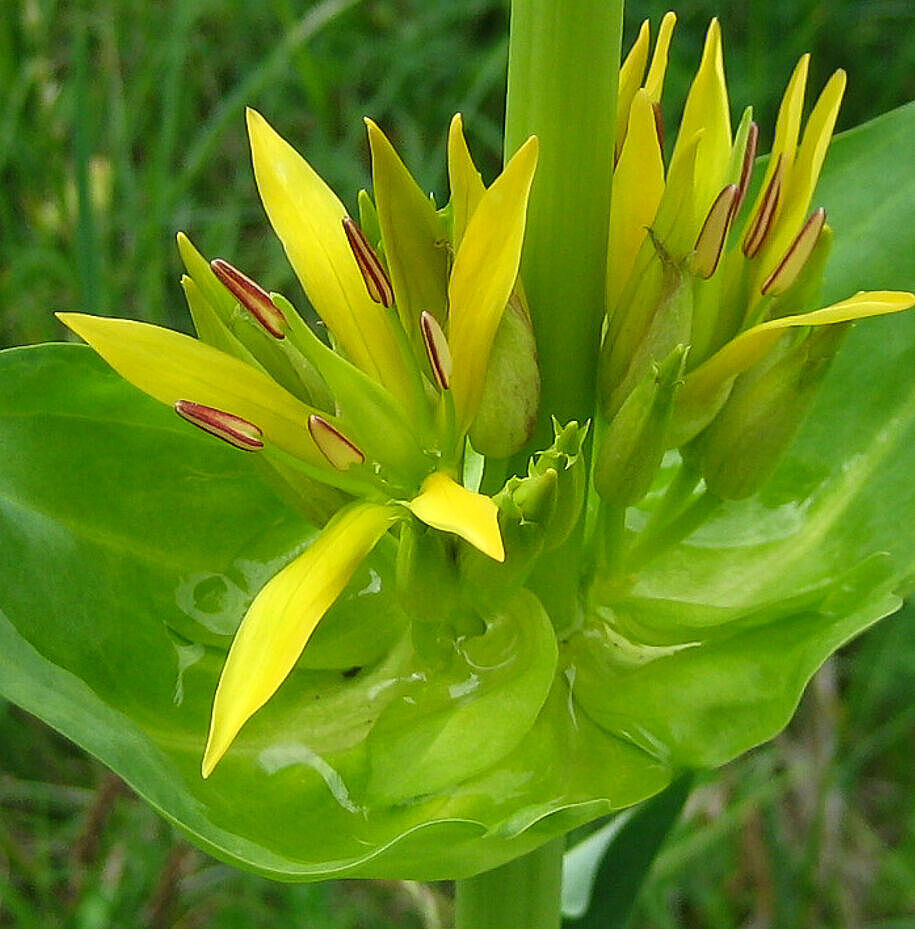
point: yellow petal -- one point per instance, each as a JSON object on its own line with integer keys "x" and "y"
{"x": 444, "y": 504}
{"x": 787, "y": 129}
{"x": 654, "y": 83}
{"x": 638, "y": 184}
{"x": 307, "y": 218}
{"x": 466, "y": 184}
{"x": 805, "y": 172}
{"x": 280, "y": 621}
{"x": 631, "y": 73}
{"x": 749, "y": 347}
{"x": 707, "y": 111}
{"x": 411, "y": 234}
{"x": 484, "y": 273}
{"x": 170, "y": 367}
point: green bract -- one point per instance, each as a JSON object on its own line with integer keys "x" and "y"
{"x": 399, "y": 702}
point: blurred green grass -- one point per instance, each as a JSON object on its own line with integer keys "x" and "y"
{"x": 121, "y": 123}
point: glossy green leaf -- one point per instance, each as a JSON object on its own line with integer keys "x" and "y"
{"x": 132, "y": 546}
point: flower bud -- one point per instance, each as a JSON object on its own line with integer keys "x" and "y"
{"x": 646, "y": 329}
{"x": 764, "y": 411}
{"x": 564, "y": 457}
{"x": 633, "y": 446}
{"x": 507, "y": 414}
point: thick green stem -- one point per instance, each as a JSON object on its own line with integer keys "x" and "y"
{"x": 562, "y": 86}
{"x": 523, "y": 894}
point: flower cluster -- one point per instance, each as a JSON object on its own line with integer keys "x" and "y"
{"x": 712, "y": 351}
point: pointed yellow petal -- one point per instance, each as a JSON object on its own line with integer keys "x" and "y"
{"x": 654, "y": 83}
{"x": 631, "y": 72}
{"x": 466, "y": 184}
{"x": 170, "y": 367}
{"x": 638, "y": 183}
{"x": 787, "y": 129}
{"x": 411, "y": 234}
{"x": 444, "y": 504}
{"x": 280, "y": 621}
{"x": 706, "y": 389}
{"x": 749, "y": 347}
{"x": 307, "y": 218}
{"x": 484, "y": 273}
{"x": 805, "y": 172}
{"x": 707, "y": 110}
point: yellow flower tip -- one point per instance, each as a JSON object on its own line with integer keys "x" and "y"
{"x": 444, "y": 504}
{"x": 212, "y": 754}
{"x": 283, "y": 617}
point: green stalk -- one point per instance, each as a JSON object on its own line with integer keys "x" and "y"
{"x": 563, "y": 71}
{"x": 523, "y": 894}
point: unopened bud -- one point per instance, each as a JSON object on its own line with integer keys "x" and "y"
{"x": 340, "y": 451}
{"x": 436, "y": 349}
{"x": 251, "y": 296}
{"x": 226, "y": 426}
{"x": 714, "y": 233}
{"x": 796, "y": 257}
{"x": 635, "y": 441}
{"x": 377, "y": 282}
{"x": 507, "y": 413}
{"x": 657, "y": 318}
{"x": 763, "y": 413}
{"x": 564, "y": 457}
{"x": 762, "y": 221}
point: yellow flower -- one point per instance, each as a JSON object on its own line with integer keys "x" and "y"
{"x": 382, "y": 416}
{"x": 694, "y": 265}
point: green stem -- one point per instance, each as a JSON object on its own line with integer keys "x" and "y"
{"x": 523, "y": 894}
{"x": 562, "y": 86}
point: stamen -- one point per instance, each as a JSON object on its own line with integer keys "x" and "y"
{"x": 226, "y": 426}
{"x": 436, "y": 348}
{"x": 658, "y": 123}
{"x": 746, "y": 172}
{"x": 376, "y": 279}
{"x": 710, "y": 243}
{"x": 342, "y": 453}
{"x": 797, "y": 255}
{"x": 251, "y": 296}
{"x": 762, "y": 222}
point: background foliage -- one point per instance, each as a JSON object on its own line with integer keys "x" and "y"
{"x": 121, "y": 123}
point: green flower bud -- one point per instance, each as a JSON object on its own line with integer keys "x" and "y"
{"x": 634, "y": 443}
{"x": 564, "y": 457}
{"x": 511, "y": 393}
{"x": 646, "y": 328}
{"x": 764, "y": 411}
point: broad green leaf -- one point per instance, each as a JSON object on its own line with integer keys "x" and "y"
{"x": 459, "y": 725}
{"x": 134, "y": 544}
